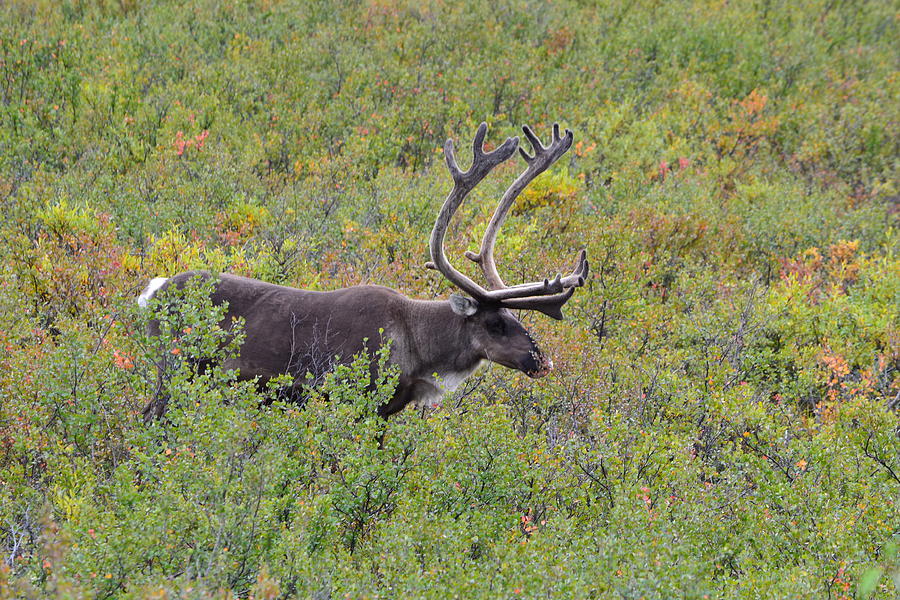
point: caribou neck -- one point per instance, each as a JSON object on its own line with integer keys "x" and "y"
{"x": 445, "y": 349}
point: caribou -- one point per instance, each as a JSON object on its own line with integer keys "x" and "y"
{"x": 435, "y": 344}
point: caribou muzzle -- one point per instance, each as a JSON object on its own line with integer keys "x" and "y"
{"x": 545, "y": 368}
{"x": 539, "y": 366}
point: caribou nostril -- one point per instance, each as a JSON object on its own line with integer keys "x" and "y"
{"x": 543, "y": 366}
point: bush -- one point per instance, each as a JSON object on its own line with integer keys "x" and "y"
{"x": 722, "y": 420}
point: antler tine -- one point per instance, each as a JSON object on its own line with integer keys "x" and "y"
{"x": 450, "y": 158}
{"x": 482, "y": 162}
{"x": 580, "y": 273}
{"x": 546, "y": 287}
{"x": 544, "y": 156}
{"x": 551, "y": 305}
{"x": 478, "y": 141}
{"x": 463, "y": 183}
{"x": 558, "y": 147}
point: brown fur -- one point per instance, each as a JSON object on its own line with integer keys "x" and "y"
{"x": 300, "y": 332}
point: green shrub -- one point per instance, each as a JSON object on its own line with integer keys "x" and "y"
{"x": 722, "y": 419}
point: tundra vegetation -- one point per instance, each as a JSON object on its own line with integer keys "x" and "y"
{"x": 722, "y": 418}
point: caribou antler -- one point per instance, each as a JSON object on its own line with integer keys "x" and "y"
{"x": 543, "y": 158}
{"x": 463, "y": 183}
{"x": 546, "y": 296}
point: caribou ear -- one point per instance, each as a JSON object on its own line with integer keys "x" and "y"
{"x": 464, "y": 307}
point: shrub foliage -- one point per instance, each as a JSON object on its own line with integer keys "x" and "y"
{"x": 722, "y": 421}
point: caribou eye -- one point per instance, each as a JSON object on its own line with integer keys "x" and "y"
{"x": 496, "y": 327}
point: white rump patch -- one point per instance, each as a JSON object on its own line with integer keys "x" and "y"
{"x": 145, "y": 297}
